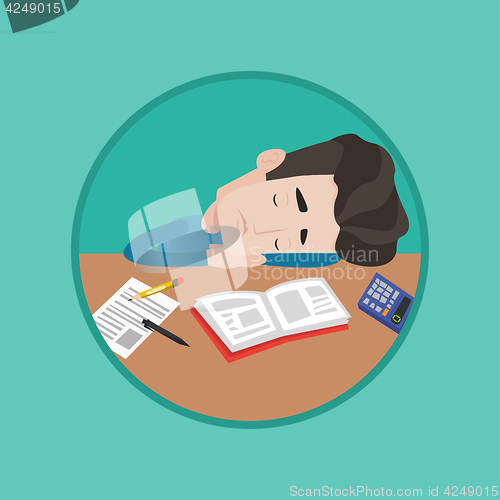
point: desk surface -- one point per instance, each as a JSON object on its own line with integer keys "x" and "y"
{"x": 282, "y": 381}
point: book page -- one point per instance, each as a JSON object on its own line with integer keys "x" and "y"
{"x": 240, "y": 316}
{"x": 306, "y": 303}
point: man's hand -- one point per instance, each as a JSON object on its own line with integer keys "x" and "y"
{"x": 266, "y": 161}
{"x": 223, "y": 259}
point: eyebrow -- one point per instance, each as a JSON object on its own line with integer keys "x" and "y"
{"x": 300, "y": 201}
{"x": 303, "y": 236}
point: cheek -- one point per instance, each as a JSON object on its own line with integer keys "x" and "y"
{"x": 237, "y": 200}
{"x": 258, "y": 244}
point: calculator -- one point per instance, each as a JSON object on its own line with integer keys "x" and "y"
{"x": 386, "y": 303}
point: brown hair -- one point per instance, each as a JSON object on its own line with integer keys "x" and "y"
{"x": 368, "y": 209}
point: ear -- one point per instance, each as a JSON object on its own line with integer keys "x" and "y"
{"x": 270, "y": 159}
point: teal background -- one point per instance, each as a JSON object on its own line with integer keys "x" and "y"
{"x": 426, "y": 72}
{"x": 207, "y": 134}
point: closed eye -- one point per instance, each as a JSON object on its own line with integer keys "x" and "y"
{"x": 274, "y": 199}
{"x": 303, "y": 236}
{"x": 276, "y": 244}
{"x": 301, "y": 203}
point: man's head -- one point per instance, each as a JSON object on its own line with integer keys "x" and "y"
{"x": 337, "y": 196}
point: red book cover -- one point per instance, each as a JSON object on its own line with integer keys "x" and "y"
{"x": 234, "y": 356}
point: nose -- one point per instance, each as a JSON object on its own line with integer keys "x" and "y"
{"x": 266, "y": 228}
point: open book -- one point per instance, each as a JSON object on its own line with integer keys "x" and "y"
{"x": 243, "y": 323}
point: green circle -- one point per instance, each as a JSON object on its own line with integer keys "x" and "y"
{"x": 265, "y": 77}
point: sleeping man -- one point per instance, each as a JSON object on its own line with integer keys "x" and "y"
{"x": 311, "y": 207}
{"x": 334, "y": 198}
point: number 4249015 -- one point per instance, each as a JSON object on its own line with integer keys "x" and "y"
{"x": 34, "y": 8}
{"x": 471, "y": 491}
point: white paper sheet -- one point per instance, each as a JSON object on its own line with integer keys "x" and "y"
{"x": 120, "y": 321}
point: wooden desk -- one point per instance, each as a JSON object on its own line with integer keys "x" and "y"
{"x": 282, "y": 381}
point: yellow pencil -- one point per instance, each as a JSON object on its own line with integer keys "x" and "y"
{"x": 159, "y": 288}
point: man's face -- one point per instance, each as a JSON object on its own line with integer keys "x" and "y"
{"x": 283, "y": 216}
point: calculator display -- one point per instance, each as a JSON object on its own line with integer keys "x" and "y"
{"x": 400, "y": 311}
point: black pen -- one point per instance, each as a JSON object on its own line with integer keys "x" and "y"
{"x": 152, "y": 326}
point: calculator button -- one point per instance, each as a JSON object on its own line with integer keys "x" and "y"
{"x": 377, "y": 281}
{"x": 392, "y": 302}
{"x": 372, "y": 305}
{"x": 383, "y": 300}
{"x": 389, "y": 289}
{"x": 376, "y": 296}
{"x": 380, "y": 289}
{"x": 374, "y": 286}
{"x": 385, "y": 312}
{"x": 383, "y": 284}
{"x": 387, "y": 294}
{"x": 366, "y": 301}
{"x": 389, "y": 306}
{"x": 378, "y": 309}
{"x": 395, "y": 296}
{"x": 370, "y": 291}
